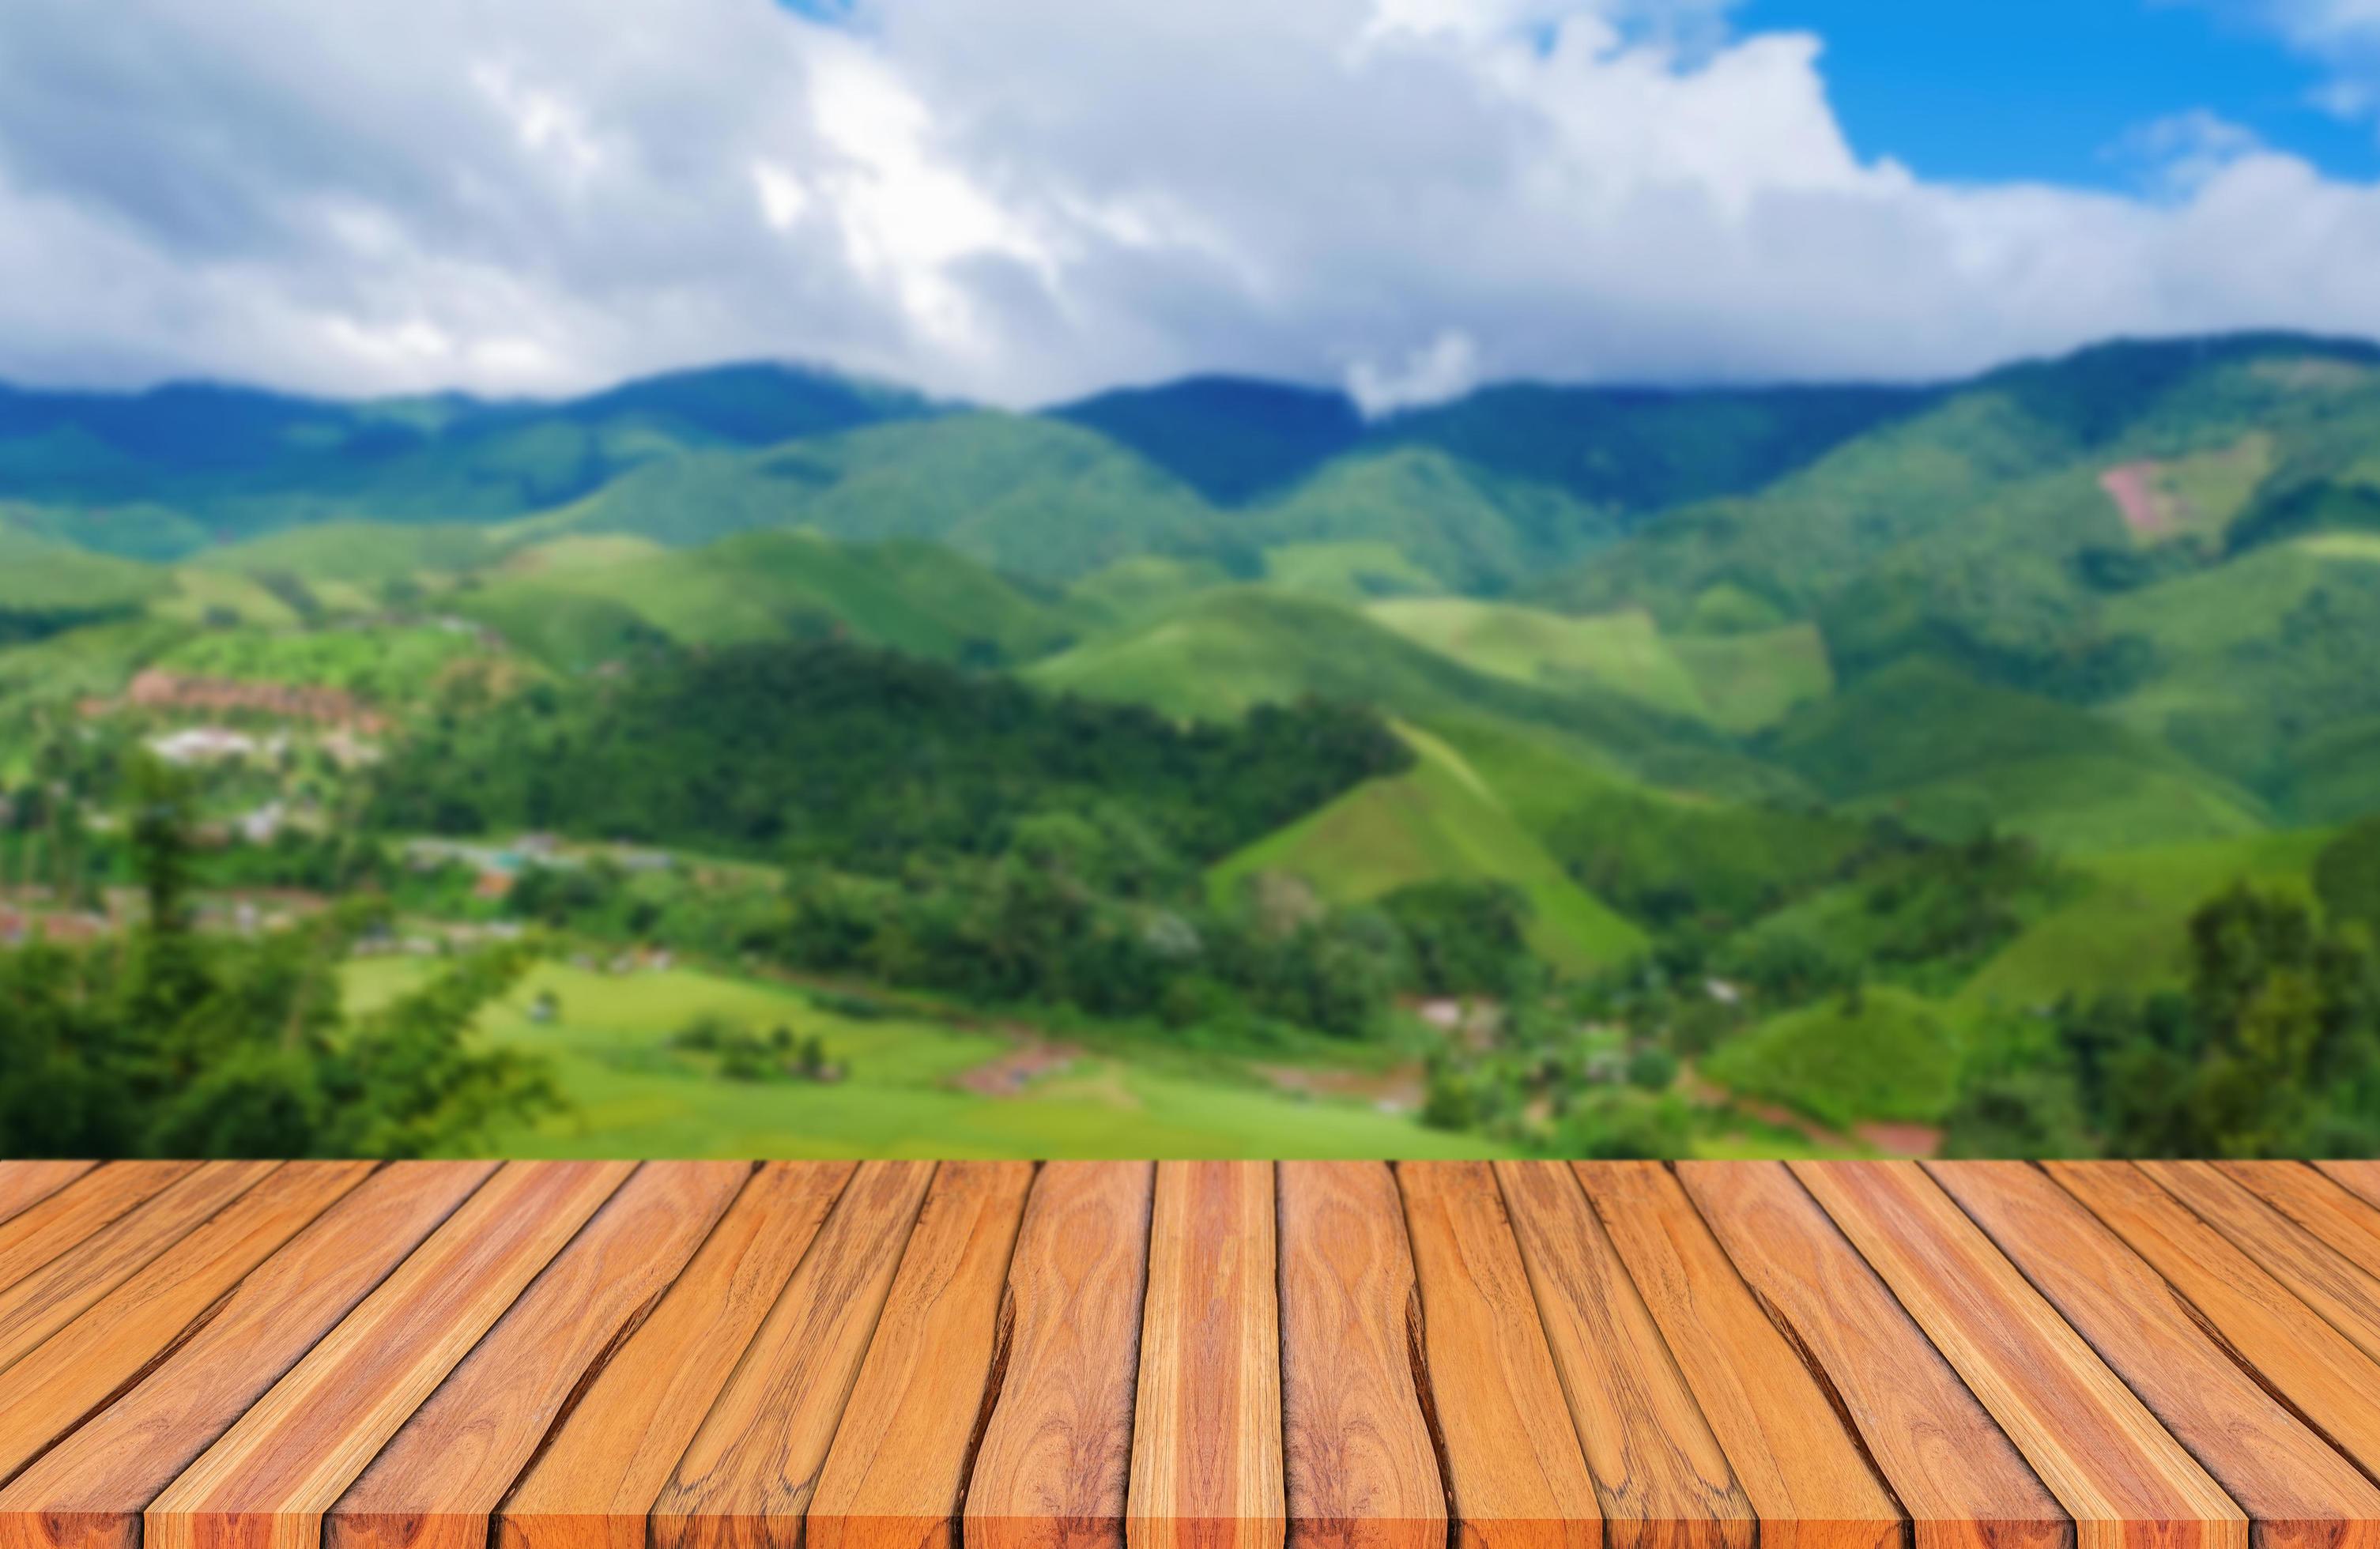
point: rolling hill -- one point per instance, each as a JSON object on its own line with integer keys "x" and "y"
{"x": 1438, "y": 821}
{"x": 1949, "y": 755}
{"x": 200, "y": 460}
{"x": 907, "y": 595}
{"x": 1223, "y": 651}
{"x": 1018, "y": 492}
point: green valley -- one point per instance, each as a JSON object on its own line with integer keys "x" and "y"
{"x": 1210, "y": 768}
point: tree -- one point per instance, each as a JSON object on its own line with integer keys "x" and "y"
{"x": 189, "y": 1045}
{"x": 2346, "y": 877}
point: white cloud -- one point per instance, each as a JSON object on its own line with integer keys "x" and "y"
{"x": 1021, "y": 199}
{"x": 1445, "y": 368}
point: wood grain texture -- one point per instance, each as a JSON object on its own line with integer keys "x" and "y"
{"x": 1954, "y": 1472}
{"x": 2318, "y": 1370}
{"x": 29, "y": 1183}
{"x": 266, "y": 1484}
{"x": 1361, "y": 1467}
{"x": 1661, "y": 1474}
{"x": 2343, "y": 1219}
{"x": 89, "y": 1491}
{"x": 49, "y": 1298}
{"x": 1053, "y": 1469}
{"x": 2360, "y": 1179}
{"x": 1207, "y": 1428}
{"x": 896, "y": 1476}
{"x": 2323, "y": 1278}
{"x": 745, "y": 1480}
{"x": 608, "y": 1460}
{"x": 1515, "y": 1476}
{"x": 50, "y": 1226}
{"x": 2123, "y": 1479}
{"x": 72, "y": 1371}
{"x": 438, "y": 1479}
{"x": 2297, "y": 1491}
{"x": 1803, "y": 1473}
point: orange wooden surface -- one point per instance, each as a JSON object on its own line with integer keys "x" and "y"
{"x": 747, "y": 1475}
{"x": 1207, "y": 1418}
{"x": 1948, "y": 1462}
{"x": 1189, "y": 1355}
{"x": 1802, "y": 1470}
{"x": 897, "y": 1474}
{"x": 1661, "y": 1475}
{"x": 1514, "y": 1473}
{"x": 2297, "y": 1490}
{"x": 606, "y": 1463}
{"x": 2128, "y": 1483}
{"x": 1359, "y": 1464}
{"x": 1055, "y": 1459}
{"x": 435, "y": 1482}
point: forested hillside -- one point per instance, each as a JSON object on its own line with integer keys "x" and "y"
{"x": 1583, "y": 768}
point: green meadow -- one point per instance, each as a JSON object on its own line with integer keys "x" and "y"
{"x": 632, "y": 1095}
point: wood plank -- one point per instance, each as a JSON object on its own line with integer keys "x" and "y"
{"x": 608, "y": 1460}
{"x": 89, "y": 1491}
{"x": 1207, "y": 1428}
{"x": 2360, "y": 1179}
{"x": 2297, "y": 1490}
{"x": 23, "y": 1184}
{"x": 2122, "y": 1478}
{"x": 437, "y": 1482}
{"x": 1361, "y": 1465}
{"x": 2323, "y": 1279}
{"x": 1515, "y": 1476}
{"x": 266, "y": 1484}
{"x": 1053, "y": 1466}
{"x": 1661, "y": 1474}
{"x": 2346, "y": 1221}
{"x": 2310, "y": 1364}
{"x": 896, "y": 1476}
{"x": 51, "y": 1297}
{"x": 99, "y": 1354}
{"x": 747, "y": 1475}
{"x": 1954, "y": 1469}
{"x": 1802, "y": 1472}
{"x": 42, "y": 1230}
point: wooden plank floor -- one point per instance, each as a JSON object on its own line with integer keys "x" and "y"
{"x": 1189, "y": 1355}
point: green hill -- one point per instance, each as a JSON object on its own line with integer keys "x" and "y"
{"x": 768, "y": 586}
{"x": 2128, "y": 929}
{"x": 2003, "y": 503}
{"x": 1622, "y": 651}
{"x": 2261, "y": 664}
{"x": 1468, "y": 527}
{"x": 1641, "y": 449}
{"x": 45, "y": 587}
{"x": 1223, "y": 651}
{"x": 1440, "y": 821}
{"x": 1884, "y": 1055}
{"x": 1949, "y": 755}
{"x": 195, "y": 460}
{"x": 1031, "y": 495}
{"x": 360, "y": 554}
{"x": 1229, "y": 437}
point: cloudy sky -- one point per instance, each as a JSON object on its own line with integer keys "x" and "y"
{"x": 1020, "y": 201}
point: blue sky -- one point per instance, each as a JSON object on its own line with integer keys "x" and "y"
{"x": 2058, "y": 89}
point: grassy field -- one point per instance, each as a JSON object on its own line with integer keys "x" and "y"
{"x": 392, "y": 664}
{"x": 1441, "y": 819}
{"x": 2128, "y": 931}
{"x": 1887, "y": 1058}
{"x": 1349, "y": 572}
{"x": 1623, "y": 651}
{"x": 633, "y": 1095}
